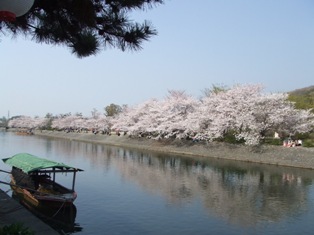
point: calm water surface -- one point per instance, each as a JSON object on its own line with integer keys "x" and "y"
{"x": 123, "y": 191}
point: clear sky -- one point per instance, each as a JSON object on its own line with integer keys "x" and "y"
{"x": 199, "y": 43}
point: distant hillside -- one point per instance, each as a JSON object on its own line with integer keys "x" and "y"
{"x": 303, "y": 98}
{"x": 303, "y": 91}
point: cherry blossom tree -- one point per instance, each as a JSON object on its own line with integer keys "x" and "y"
{"x": 137, "y": 119}
{"x": 27, "y": 122}
{"x": 98, "y": 122}
{"x": 177, "y": 111}
{"x": 68, "y": 122}
{"x": 159, "y": 118}
{"x": 249, "y": 113}
{"x": 243, "y": 111}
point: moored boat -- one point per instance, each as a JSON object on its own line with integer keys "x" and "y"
{"x": 34, "y": 179}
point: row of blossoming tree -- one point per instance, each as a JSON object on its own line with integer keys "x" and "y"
{"x": 243, "y": 111}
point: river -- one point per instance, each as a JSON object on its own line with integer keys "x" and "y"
{"x": 125, "y": 191}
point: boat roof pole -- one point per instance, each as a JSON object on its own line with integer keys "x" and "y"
{"x": 54, "y": 175}
{"x": 73, "y": 183}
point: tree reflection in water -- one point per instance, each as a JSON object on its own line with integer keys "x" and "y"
{"x": 241, "y": 193}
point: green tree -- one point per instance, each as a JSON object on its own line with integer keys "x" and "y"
{"x": 50, "y": 118}
{"x": 85, "y": 25}
{"x": 49, "y": 115}
{"x": 303, "y": 98}
{"x": 4, "y": 122}
{"x": 112, "y": 110}
{"x": 215, "y": 89}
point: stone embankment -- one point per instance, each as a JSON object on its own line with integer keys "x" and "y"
{"x": 274, "y": 155}
{"x": 13, "y": 213}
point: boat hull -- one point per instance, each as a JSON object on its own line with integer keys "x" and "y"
{"x": 45, "y": 199}
{"x": 61, "y": 219}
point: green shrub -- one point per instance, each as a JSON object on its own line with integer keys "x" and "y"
{"x": 229, "y": 137}
{"x": 272, "y": 141}
{"x": 302, "y": 136}
{"x": 308, "y": 143}
{"x": 15, "y": 229}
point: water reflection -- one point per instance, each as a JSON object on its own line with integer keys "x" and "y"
{"x": 61, "y": 219}
{"x": 240, "y": 193}
{"x": 125, "y": 191}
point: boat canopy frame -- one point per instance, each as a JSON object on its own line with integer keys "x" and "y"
{"x": 31, "y": 164}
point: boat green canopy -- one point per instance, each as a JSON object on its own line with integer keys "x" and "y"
{"x": 30, "y": 163}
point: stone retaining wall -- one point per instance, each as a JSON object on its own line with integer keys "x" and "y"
{"x": 274, "y": 155}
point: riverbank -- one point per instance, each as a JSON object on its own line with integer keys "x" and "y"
{"x": 274, "y": 155}
{"x": 11, "y": 212}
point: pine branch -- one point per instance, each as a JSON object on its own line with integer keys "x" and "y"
{"x": 85, "y": 25}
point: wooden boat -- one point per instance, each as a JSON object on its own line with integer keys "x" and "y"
{"x": 24, "y": 132}
{"x": 33, "y": 178}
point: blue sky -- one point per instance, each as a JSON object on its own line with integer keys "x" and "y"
{"x": 199, "y": 43}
